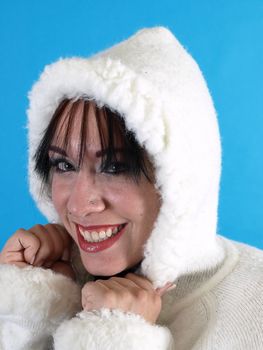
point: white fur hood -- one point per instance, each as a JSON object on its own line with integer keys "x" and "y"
{"x": 158, "y": 88}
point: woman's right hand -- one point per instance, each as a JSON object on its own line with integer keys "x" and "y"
{"x": 46, "y": 246}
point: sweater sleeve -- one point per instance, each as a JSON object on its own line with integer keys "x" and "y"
{"x": 111, "y": 330}
{"x": 33, "y": 302}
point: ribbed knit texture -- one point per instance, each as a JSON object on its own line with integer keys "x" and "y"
{"x": 223, "y": 312}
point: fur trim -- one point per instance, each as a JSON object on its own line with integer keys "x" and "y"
{"x": 159, "y": 90}
{"x": 111, "y": 330}
{"x": 37, "y": 299}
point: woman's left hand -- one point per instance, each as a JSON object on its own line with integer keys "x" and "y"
{"x": 133, "y": 293}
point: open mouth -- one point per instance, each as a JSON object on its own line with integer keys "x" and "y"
{"x": 94, "y": 239}
{"x": 101, "y": 235}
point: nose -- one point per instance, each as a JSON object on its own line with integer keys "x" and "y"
{"x": 85, "y": 196}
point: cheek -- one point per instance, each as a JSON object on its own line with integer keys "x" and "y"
{"x": 149, "y": 207}
{"x": 59, "y": 195}
{"x": 139, "y": 203}
{"x": 124, "y": 197}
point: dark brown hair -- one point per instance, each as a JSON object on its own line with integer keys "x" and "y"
{"x": 111, "y": 128}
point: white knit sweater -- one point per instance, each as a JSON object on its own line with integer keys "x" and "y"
{"x": 220, "y": 308}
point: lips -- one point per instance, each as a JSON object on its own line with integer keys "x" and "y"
{"x": 93, "y": 239}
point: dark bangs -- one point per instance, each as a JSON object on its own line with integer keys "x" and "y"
{"x": 113, "y": 137}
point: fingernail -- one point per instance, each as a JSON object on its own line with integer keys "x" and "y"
{"x": 32, "y": 260}
{"x": 166, "y": 288}
{"x": 172, "y": 286}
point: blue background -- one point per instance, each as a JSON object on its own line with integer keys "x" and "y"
{"x": 225, "y": 37}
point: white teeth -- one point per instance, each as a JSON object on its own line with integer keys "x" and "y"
{"x": 94, "y": 236}
{"x": 87, "y": 236}
{"x": 102, "y": 234}
{"x": 109, "y": 232}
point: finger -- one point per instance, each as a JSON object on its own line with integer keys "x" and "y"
{"x": 61, "y": 241}
{"x": 46, "y": 244}
{"x": 26, "y": 242}
{"x": 120, "y": 295}
{"x": 65, "y": 235}
{"x": 93, "y": 295}
{"x": 12, "y": 257}
{"x": 20, "y": 264}
{"x": 68, "y": 242}
{"x": 121, "y": 284}
{"x": 58, "y": 242}
{"x": 66, "y": 256}
{"x": 19, "y": 241}
{"x": 104, "y": 287}
{"x": 167, "y": 287}
{"x": 140, "y": 281}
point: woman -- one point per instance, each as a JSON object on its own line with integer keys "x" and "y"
{"x": 124, "y": 158}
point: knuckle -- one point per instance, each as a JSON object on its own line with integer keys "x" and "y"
{"x": 66, "y": 236}
{"x": 20, "y": 231}
{"x": 83, "y": 291}
{"x": 87, "y": 289}
{"x": 45, "y": 251}
{"x": 110, "y": 298}
{"x": 49, "y": 226}
{"x": 114, "y": 278}
{"x": 86, "y": 286}
{"x": 57, "y": 227}
{"x": 126, "y": 295}
{"x": 98, "y": 282}
{"x": 37, "y": 227}
{"x": 53, "y": 227}
{"x": 142, "y": 295}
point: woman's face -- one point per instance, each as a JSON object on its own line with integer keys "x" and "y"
{"x": 107, "y": 213}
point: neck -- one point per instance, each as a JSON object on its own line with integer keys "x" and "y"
{"x": 132, "y": 269}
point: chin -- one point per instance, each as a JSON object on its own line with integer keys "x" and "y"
{"x": 101, "y": 269}
{"x": 108, "y": 270}
{"x": 105, "y": 273}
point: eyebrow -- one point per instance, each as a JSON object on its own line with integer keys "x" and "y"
{"x": 100, "y": 153}
{"x": 58, "y": 150}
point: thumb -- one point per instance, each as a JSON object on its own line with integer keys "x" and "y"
{"x": 167, "y": 287}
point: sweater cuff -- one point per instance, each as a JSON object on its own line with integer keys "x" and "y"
{"x": 111, "y": 330}
{"x": 36, "y": 298}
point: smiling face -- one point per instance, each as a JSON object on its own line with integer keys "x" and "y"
{"x": 108, "y": 213}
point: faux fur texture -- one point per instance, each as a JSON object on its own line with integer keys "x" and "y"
{"x": 23, "y": 291}
{"x": 111, "y": 330}
{"x": 158, "y": 88}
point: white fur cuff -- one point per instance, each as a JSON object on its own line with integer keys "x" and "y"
{"x": 111, "y": 330}
{"x": 36, "y": 298}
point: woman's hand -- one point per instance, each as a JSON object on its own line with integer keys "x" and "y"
{"x": 45, "y": 246}
{"x": 130, "y": 294}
